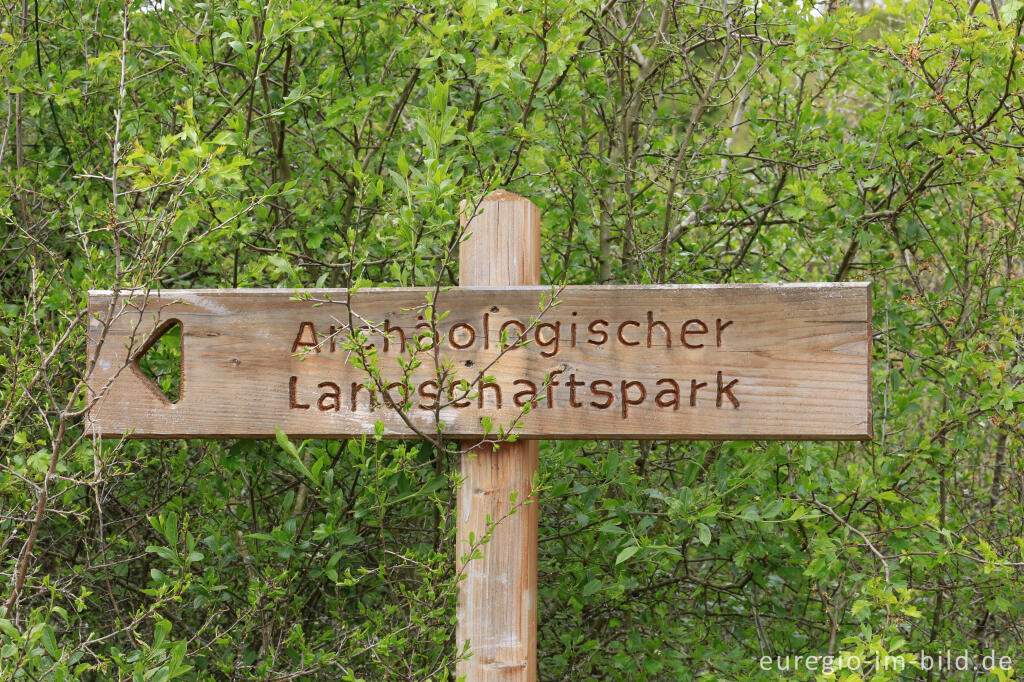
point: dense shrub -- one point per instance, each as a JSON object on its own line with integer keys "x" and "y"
{"x": 172, "y": 144}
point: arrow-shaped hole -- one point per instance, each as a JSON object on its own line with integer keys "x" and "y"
{"x": 161, "y": 360}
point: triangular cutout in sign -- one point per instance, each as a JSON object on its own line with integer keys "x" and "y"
{"x": 161, "y": 360}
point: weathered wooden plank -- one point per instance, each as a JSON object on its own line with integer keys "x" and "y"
{"x": 497, "y": 603}
{"x": 764, "y": 361}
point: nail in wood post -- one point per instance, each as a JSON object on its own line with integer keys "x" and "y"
{"x": 497, "y": 605}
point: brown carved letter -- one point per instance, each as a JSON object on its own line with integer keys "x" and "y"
{"x": 529, "y": 395}
{"x": 497, "y": 394}
{"x": 726, "y": 391}
{"x": 387, "y": 336}
{"x": 652, "y": 324}
{"x": 671, "y": 394}
{"x": 626, "y": 402}
{"x": 608, "y": 395}
{"x": 622, "y": 339}
{"x": 556, "y": 331}
{"x": 464, "y": 326}
{"x": 460, "y": 387}
{"x": 356, "y": 388}
{"x": 700, "y": 328}
{"x": 300, "y": 341}
{"x": 292, "y": 402}
{"x": 506, "y": 340}
{"x": 719, "y": 327}
{"x": 694, "y": 387}
{"x": 572, "y": 384}
{"x": 431, "y": 395}
{"x": 330, "y": 400}
{"x": 600, "y": 333}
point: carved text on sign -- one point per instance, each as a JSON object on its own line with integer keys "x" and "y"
{"x": 506, "y": 336}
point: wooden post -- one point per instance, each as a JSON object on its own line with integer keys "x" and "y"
{"x": 497, "y": 604}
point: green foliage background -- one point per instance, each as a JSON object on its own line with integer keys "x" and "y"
{"x": 296, "y": 143}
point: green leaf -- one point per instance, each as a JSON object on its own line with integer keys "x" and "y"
{"x": 285, "y": 443}
{"x": 1011, "y": 11}
{"x": 704, "y": 534}
{"x": 7, "y": 627}
{"x": 160, "y": 632}
{"x": 49, "y": 641}
{"x": 625, "y": 554}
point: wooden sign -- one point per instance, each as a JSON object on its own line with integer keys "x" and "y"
{"x": 788, "y": 361}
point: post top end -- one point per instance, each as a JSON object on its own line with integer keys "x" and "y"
{"x": 504, "y": 195}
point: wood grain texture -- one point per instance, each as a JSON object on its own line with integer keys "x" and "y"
{"x": 497, "y": 602}
{"x": 799, "y": 354}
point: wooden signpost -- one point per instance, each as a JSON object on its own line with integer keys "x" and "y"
{"x": 496, "y": 355}
{"x": 736, "y": 361}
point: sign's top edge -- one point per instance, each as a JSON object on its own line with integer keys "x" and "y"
{"x": 540, "y": 287}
